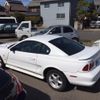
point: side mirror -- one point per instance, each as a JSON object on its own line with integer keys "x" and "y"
{"x": 13, "y": 50}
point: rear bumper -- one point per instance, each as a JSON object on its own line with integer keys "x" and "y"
{"x": 84, "y": 78}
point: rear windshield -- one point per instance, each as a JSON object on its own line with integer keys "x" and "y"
{"x": 70, "y": 47}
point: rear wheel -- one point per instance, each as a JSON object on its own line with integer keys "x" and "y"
{"x": 57, "y": 80}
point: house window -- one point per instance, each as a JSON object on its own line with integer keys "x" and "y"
{"x": 60, "y": 15}
{"x": 46, "y": 6}
{"x": 60, "y": 4}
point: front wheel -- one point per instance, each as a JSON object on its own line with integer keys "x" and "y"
{"x": 2, "y": 65}
{"x": 23, "y": 37}
{"x": 57, "y": 80}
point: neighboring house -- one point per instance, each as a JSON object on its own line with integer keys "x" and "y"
{"x": 13, "y": 6}
{"x": 97, "y": 4}
{"x": 2, "y": 11}
{"x": 56, "y": 12}
{"x": 34, "y": 7}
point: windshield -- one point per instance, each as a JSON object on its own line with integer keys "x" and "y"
{"x": 68, "y": 46}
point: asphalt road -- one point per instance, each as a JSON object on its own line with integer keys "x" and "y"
{"x": 90, "y": 35}
{"x": 39, "y": 90}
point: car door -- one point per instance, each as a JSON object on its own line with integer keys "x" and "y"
{"x": 24, "y": 29}
{"x": 23, "y": 57}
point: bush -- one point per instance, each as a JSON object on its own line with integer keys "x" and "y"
{"x": 19, "y": 16}
{"x": 36, "y": 20}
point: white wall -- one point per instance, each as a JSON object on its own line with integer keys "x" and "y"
{"x": 49, "y": 14}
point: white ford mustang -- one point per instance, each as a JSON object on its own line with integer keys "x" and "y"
{"x": 60, "y": 61}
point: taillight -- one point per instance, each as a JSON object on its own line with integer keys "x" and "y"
{"x": 88, "y": 67}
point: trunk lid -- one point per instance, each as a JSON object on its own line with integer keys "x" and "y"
{"x": 87, "y": 53}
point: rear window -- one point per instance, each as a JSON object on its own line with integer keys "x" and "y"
{"x": 68, "y": 46}
{"x": 7, "y": 21}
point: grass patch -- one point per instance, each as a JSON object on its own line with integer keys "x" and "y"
{"x": 87, "y": 42}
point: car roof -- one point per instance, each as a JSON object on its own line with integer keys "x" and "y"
{"x": 59, "y": 25}
{"x": 45, "y": 38}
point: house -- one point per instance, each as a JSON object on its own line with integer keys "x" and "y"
{"x": 13, "y": 6}
{"x": 34, "y": 7}
{"x": 56, "y": 12}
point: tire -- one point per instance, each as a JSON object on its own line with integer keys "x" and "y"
{"x": 57, "y": 80}
{"x": 2, "y": 65}
{"x": 24, "y": 37}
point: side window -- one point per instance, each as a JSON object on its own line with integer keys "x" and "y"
{"x": 14, "y": 26}
{"x": 46, "y": 6}
{"x": 24, "y": 47}
{"x": 7, "y": 20}
{"x": 67, "y": 29}
{"x": 44, "y": 49}
{"x": 7, "y": 27}
{"x": 24, "y": 25}
{"x": 31, "y": 47}
{"x": 55, "y": 30}
{"x": 60, "y": 4}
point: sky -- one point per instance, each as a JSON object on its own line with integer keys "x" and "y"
{"x": 25, "y": 2}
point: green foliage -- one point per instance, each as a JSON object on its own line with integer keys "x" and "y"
{"x": 85, "y": 8}
{"x": 36, "y": 20}
{"x": 19, "y": 16}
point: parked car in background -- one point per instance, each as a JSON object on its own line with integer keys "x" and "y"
{"x": 5, "y": 20}
{"x": 8, "y": 30}
{"x": 10, "y": 87}
{"x": 62, "y": 30}
{"x": 25, "y": 30}
{"x": 61, "y": 61}
{"x": 95, "y": 24}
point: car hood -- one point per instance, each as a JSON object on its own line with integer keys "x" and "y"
{"x": 87, "y": 53}
{"x": 6, "y": 45}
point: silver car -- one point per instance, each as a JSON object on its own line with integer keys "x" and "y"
{"x": 62, "y": 30}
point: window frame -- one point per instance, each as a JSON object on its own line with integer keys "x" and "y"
{"x": 38, "y": 51}
{"x": 46, "y": 5}
{"x": 60, "y": 15}
{"x": 60, "y": 4}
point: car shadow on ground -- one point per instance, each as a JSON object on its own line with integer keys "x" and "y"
{"x": 34, "y": 94}
{"x": 94, "y": 89}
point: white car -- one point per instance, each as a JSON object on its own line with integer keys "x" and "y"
{"x": 61, "y": 61}
{"x": 62, "y": 30}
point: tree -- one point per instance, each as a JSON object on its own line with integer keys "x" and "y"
{"x": 85, "y": 9}
{"x": 19, "y": 16}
